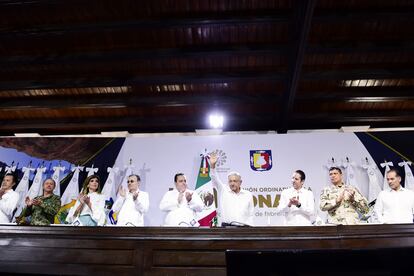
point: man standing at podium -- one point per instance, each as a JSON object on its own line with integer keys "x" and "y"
{"x": 396, "y": 204}
{"x": 344, "y": 203}
{"x": 297, "y": 203}
{"x": 235, "y": 204}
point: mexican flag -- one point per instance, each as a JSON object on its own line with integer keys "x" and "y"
{"x": 69, "y": 197}
{"x": 204, "y": 188}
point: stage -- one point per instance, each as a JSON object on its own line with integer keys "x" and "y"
{"x": 173, "y": 251}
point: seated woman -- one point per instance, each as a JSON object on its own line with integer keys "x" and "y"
{"x": 89, "y": 207}
{"x": 42, "y": 209}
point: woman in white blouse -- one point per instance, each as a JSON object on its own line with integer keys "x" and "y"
{"x": 89, "y": 208}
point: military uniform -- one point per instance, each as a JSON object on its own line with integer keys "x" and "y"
{"x": 345, "y": 212}
{"x": 44, "y": 213}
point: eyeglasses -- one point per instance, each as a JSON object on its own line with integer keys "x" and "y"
{"x": 130, "y": 181}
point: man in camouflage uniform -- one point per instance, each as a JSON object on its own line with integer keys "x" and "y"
{"x": 42, "y": 209}
{"x": 343, "y": 202}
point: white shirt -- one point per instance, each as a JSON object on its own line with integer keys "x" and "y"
{"x": 395, "y": 206}
{"x": 294, "y": 215}
{"x": 97, "y": 212}
{"x": 8, "y": 203}
{"x": 233, "y": 207}
{"x": 131, "y": 212}
{"x": 181, "y": 214}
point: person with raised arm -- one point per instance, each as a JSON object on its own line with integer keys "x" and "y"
{"x": 235, "y": 204}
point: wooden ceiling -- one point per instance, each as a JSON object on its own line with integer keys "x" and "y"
{"x": 76, "y": 66}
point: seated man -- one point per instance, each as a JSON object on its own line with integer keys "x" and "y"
{"x": 297, "y": 203}
{"x": 132, "y": 205}
{"x": 396, "y": 204}
{"x": 343, "y": 202}
{"x": 8, "y": 198}
{"x": 181, "y": 204}
{"x": 235, "y": 204}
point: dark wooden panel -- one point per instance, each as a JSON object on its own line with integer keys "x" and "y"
{"x": 65, "y": 269}
{"x": 68, "y": 255}
{"x": 68, "y": 242}
{"x": 189, "y": 258}
{"x": 172, "y": 251}
{"x": 187, "y": 271}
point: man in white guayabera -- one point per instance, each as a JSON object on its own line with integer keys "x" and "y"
{"x": 181, "y": 204}
{"x": 235, "y": 204}
{"x": 131, "y": 205}
{"x": 296, "y": 202}
{"x": 396, "y": 204}
{"x": 8, "y": 198}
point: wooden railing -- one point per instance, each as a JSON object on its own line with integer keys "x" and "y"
{"x": 172, "y": 251}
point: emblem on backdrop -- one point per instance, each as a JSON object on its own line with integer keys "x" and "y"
{"x": 222, "y": 157}
{"x": 261, "y": 160}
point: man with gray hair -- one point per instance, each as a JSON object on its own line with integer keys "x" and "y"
{"x": 235, "y": 204}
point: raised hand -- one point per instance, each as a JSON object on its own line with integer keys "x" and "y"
{"x": 121, "y": 191}
{"x": 349, "y": 194}
{"x": 213, "y": 160}
{"x": 36, "y": 202}
{"x": 293, "y": 201}
{"x": 86, "y": 199}
{"x": 80, "y": 198}
{"x": 188, "y": 196}
{"x": 340, "y": 197}
{"x": 28, "y": 201}
{"x": 180, "y": 197}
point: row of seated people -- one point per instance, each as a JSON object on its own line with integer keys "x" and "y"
{"x": 343, "y": 203}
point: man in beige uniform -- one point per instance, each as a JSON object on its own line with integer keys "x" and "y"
{"x": 343, "y": 202}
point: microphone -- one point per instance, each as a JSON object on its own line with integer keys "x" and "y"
{"x": 183, "y": 222}
{"x": 234, "y": 224}
{"x": 192, "y": 223}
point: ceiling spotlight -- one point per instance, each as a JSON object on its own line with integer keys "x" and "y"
{"x": 216, "y": 120}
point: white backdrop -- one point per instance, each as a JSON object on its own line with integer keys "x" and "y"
{"x": 158, "y": 158}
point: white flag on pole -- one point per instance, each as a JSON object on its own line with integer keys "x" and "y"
{"x": 36, "y": 189}
{"x": 57, "y": 177}
{"x": 92, "y": 170}
{"x": 72, "y": 190}
{"x": 386, "y": 165}
{"x": 10, "y": 169}
{"x": 128, "y": 172}
{"x": 23, "y": 188}
{"x": 350, "y": 173}
{"x": 409, "y": 179}
{"x": 374, "y": 186}
{"x": 109, "y": 189}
